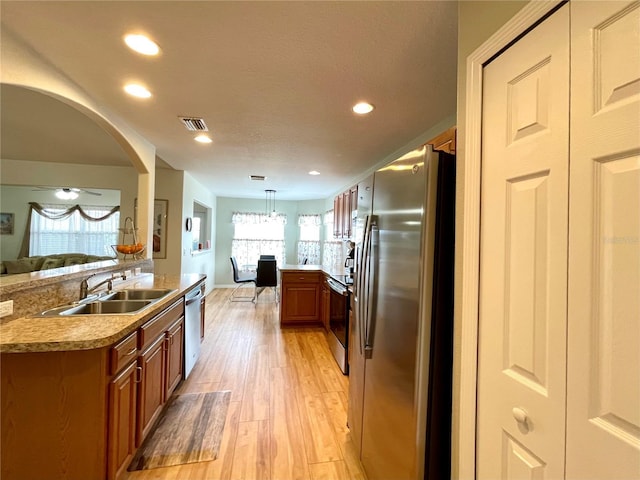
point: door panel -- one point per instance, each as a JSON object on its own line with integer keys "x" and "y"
{"x": 603, "y": 378}
{"x": 522, "y": 324}
{"x": 356, "y": 359}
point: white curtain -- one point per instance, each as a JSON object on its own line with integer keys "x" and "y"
{"x": 333, "y": 255}
{"x": 309, "y": 243}
{"x": 247, "y": 252}
{"x": 257, "y": 234}
{"x": 254, "y": 218}
{"x": 309, "y": 220}
{"x": 309, "y": 250}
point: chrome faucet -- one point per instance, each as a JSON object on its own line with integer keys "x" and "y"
{"x": 84, "y": 285}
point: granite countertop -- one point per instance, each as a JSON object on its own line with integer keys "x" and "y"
{"x": 65, "y": 333}
{"x": 338, "y": 274}
{"x": 312, "y": 268}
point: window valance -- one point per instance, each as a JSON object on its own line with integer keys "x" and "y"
{"x": 309, "y": 220}
{"x": 255, "y": 218}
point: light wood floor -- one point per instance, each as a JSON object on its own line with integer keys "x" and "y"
{"x": 288, "y": 410}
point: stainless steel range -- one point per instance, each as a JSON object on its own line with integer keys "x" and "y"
{"x": 338, "y": 333}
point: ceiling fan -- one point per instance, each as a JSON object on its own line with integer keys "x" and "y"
{"x": 67, "y": 193}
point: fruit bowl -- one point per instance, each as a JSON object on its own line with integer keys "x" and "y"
{"x": 130, "y": 249}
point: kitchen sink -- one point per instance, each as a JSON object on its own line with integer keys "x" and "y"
{"x": 106, "y": 307}
{"x": 121, "y": 302}
{"x": 137, "y": 294}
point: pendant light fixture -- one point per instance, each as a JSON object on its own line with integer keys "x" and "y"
{"x": 270, "y": 203}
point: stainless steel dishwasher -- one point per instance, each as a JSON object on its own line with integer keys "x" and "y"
{"x": 192, "y": 328}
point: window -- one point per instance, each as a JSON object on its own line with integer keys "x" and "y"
{"x": 59, "y": 229}
{"x": 332, "y": 258}
{"x": 309, "y": 239}
{"x": 256, "y": 234}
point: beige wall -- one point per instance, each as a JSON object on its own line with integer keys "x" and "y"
{"x": 477, "y": 21}
{"x": 204, "y": 261}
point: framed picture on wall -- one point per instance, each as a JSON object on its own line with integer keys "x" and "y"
{"x": 6, "y": 223}
{"x": 160, "y": 212}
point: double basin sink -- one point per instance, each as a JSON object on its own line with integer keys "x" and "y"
{"x": 121, "y": 302}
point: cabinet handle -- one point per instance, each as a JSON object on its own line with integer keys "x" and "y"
{"x": 131, "y": 352}
{"x": 138, "y": 375}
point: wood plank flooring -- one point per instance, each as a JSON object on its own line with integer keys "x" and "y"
{"x": 288, "y": 411}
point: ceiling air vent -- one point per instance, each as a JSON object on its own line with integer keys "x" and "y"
{"x": 258, "y": 177}
{"x": 194, "y": 124}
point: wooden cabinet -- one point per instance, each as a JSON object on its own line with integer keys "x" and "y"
{"x": 151, "y": 393}
{"x": 175, "y": 355}
{"x": 353, "y": 208}
{"x": 346, "y": 214}
{"x": 123, "y": 391}
{"x": 122, "y": 420}
{"x": 158, "y": 361}
{"x": 326, "y": 303}
{"x": 300, "y": 297}
{"x": 445, "y": 142}
{"x": 344, "y": 208}
{"x": 338, "y": 203}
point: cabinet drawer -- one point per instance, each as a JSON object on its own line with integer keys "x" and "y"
{"x": 301, "y": 277}
{"x": 122, "y": 353}
{"x": 158, "y": 324}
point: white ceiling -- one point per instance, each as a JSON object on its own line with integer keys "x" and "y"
{"x": 274, "y": 82}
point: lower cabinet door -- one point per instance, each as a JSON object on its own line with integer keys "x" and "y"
{"x": 151, "y": 391}
{"x": 175, "y": 356}
{"x": 122, "y": 420}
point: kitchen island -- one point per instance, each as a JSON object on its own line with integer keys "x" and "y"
{"x": 79, "y": 394}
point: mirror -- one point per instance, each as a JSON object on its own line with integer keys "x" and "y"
{"x": 47, "y": 143}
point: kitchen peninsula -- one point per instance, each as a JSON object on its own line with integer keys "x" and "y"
{"x": 80, "y": 393}
{"x": 302, "y": 293}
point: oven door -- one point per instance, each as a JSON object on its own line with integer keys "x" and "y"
{"x": 338, "y": 334}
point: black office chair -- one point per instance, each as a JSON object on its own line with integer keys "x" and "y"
{"x": 266, "y": 276}
{"x": 242, "y": 278}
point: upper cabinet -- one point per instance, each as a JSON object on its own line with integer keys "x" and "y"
{"x": 345, "y": 206}
{"x": 445, "y": 142}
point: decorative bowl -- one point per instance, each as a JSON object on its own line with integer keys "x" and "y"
{"x": 130, "y": 249}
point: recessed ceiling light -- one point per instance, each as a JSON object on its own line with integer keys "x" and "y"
{"x": 203, "y": 139}
{"x": 314, "y": 172}
{"x": 141, "y": 44}
{"x": 362, "y": 108}
{"x": 137, "y": 90}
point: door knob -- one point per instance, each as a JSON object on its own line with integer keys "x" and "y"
{"x": 520, "y": 414}
{"x": 522, "y": 417}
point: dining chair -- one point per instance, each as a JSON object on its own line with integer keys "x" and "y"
{"x": 242, "y": 278}
{"x": 266, "y": 277}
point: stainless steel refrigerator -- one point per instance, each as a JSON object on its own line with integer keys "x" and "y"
{"x": 402, "y": 329}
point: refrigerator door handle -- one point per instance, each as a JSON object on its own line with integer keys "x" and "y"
{"x": 371, "y": 287}
{"x": 363, "y": 284}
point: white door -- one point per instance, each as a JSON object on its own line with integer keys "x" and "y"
{"x": 603, "y": 378}
{"x": 523, "y": 263}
